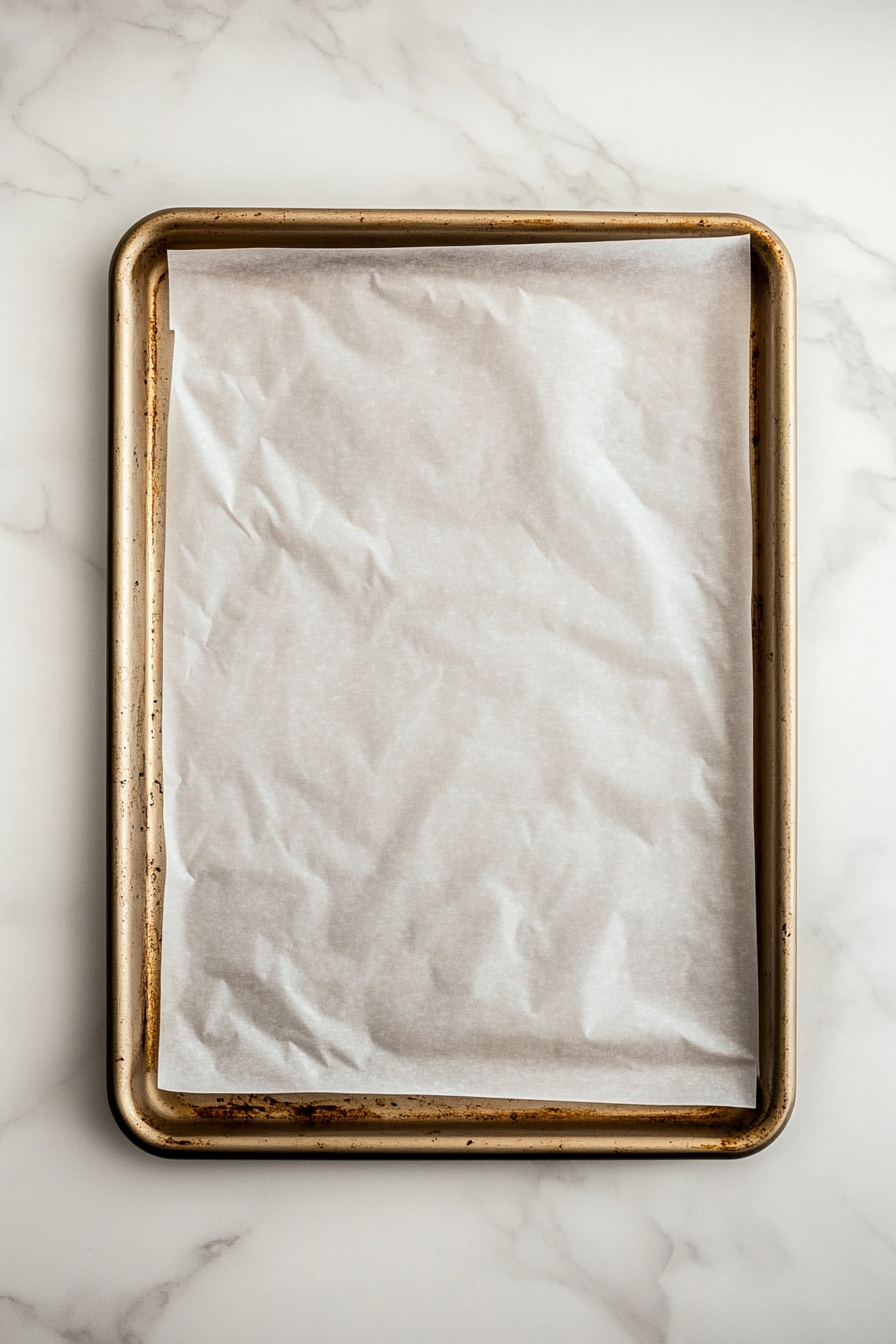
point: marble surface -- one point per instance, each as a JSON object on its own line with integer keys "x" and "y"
{"x": 112, "y": 108}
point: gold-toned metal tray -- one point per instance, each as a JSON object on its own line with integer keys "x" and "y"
{"x": 141, "y": 352}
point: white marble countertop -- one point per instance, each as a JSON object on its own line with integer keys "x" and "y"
{"x": 781, "y": 109}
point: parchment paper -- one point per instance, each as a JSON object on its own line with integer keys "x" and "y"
{"x": 457, "y": 673}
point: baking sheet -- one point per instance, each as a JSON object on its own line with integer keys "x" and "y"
{"x": 458, "y": 791}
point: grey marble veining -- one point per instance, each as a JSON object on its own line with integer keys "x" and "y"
{"x": 113, "y": 108}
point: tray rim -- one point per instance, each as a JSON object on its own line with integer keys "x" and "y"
{"x": 177, "y": 1124}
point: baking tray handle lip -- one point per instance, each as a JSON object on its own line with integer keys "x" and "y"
{"x": 146, "y": 1133}
{"x": 153, "y": 231}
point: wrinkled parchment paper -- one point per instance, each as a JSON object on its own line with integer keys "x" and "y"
{"x": 457, "y": 673}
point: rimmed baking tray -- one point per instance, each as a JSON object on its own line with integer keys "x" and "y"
{"x": 141, "y": 356}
